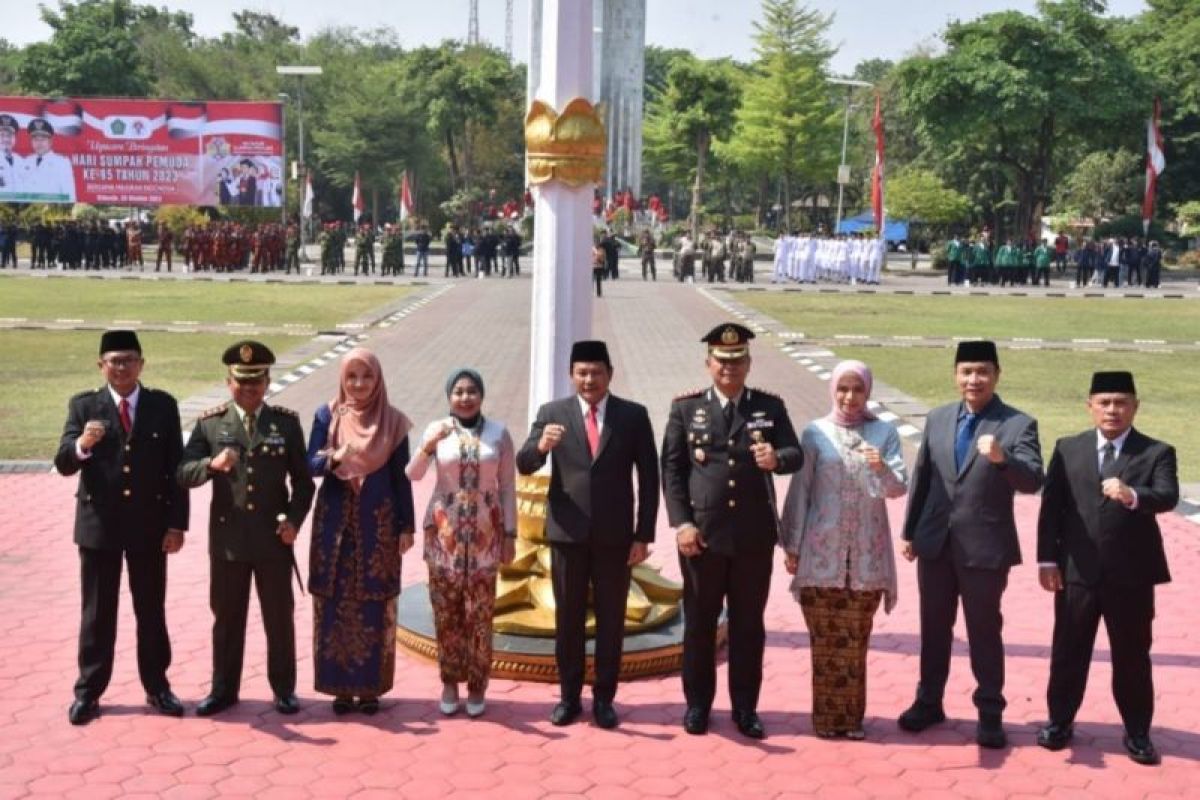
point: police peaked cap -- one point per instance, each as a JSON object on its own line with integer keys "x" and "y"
{"x": 728, "y": 341}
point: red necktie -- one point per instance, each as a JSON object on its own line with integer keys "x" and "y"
{"x": 593, "y": 431}
{"x": 126, "y": 421}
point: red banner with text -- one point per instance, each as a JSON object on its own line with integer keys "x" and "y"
{"x": 140, "y": 152}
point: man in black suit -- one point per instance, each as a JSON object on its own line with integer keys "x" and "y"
{"x": 598, "y": 441}
{"x": 1101, "y": 552}
{"x": 247, "y": 184}
{"x": 124, "y": 441}
{"x": 975, "y": 454}
{"x": 720, "y": 450}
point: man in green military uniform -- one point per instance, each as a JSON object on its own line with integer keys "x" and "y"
{"x": 721, "y": 448}
{"x": 293, "y": 249}
{"x": 251, "y": 452}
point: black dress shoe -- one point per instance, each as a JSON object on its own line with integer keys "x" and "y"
{"x": 920, "y": 716}
{"x": 1055, "y": 736}
{"x": 166, "y": 702}
{"x": 748, "y": 724}
{"x": 214, "y": 704}
{"x": 565, "y": 713}
{"x": 343, "y": 705}
{"x": 82, "y": 712}
{"x": 989, "y": 732}
{"x": 287, "y": 704}
{"x": 1142, "y": 750}
{"x": 604, "y": 715}
{"x": 695, "y": 721}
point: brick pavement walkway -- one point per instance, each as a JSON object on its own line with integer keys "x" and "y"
{"x": 410, "y": 751}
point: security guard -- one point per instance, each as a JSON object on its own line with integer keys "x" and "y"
{"x": 251, "y": 451}
{"x": 721, "y": 448}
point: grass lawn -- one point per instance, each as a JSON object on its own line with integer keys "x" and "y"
{"x": 1052, "y": 386}
{"x": 47, "y": 368}
{"x": 1052, "y": 318}
{"x": 321, "y": 306}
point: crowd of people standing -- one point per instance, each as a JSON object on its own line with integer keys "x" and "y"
{"x": 1117, "y": 261}
{"x": 1099, "y": 548}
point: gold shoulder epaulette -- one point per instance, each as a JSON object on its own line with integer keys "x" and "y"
{"x": 690, "y": 394}
{"x": 215, "y": 411}
{"x": 286, "y": 411}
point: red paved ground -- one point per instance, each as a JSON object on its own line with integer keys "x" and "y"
{"x": 410, "y": 751}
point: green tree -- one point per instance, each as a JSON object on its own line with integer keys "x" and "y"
{"x": 787, "y": 125}
{"x": 917, "y": 194}
{"x": 696, "y": 108}
{"x": 10, "y": 59}
{"x": 995, "y": 110}
{"x": 1102, "y": 184}
{"x": 94, "y": 49}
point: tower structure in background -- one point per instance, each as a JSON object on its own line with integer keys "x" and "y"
{"x": 618, "y": 56}
{"x": 473, "y": 24}
{"x": 508, "y": 29}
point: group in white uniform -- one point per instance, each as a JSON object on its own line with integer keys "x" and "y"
{"x": 43, "y": 175}
{"x": 844, "y": 259}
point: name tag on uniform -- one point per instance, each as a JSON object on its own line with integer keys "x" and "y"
{"x": 760, "y": 424}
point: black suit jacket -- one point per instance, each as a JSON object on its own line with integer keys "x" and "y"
{"x": 972, "y": 506}
{"x": 710, "y": 479}
{"x": 127, "y": 496}
{"x": 593, "y": 499}
{"x": 1091, "y": 537}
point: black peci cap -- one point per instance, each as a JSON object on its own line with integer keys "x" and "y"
{"x": 590, "y": 350}
{"x": 975, "y": 351}
{"x": 116, "y": 341}
{"x": 1112, "y": 383}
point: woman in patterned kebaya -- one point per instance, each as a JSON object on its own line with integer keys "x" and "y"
{"x": 362, "y": 525}
{"x": 838, "y": 544}
{"x": 470, "y": 529}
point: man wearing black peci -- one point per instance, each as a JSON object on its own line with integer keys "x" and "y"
{"x": 1100, "y": 551}
{"x": 124, "y": 440}
{"x": 595, "y": 442}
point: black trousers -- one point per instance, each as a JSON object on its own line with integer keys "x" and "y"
{"x": 229, "y": 598}
{"x": 1128, "y": 614}
{"x": 605, "y": 570}
{"x": 711, "y": 580}
{"x": 941, "y": 582}
{"x": 100, "y": 580}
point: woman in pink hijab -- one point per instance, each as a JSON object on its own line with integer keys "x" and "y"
{"x": 838, "y": 543}
{"x": 362, "y": 524}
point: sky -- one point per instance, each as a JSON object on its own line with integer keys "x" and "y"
{"x": 861, "y": 29}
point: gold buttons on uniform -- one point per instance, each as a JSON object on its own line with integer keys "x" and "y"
{"x": 220, "y": 519}
{"x": 249, "y": 506}
{"x": 126, "y": 469}
{"x": 732, "y": 463}
{"x": 128, "y": 447}
{"x": 127, "y": 492}
{"x": 732, "y": 484}
{"x": 250, "y": 487}
{"x": 250, "y": 470}
{"x": 731, "y": 442}
{"x": 732, "y": 503}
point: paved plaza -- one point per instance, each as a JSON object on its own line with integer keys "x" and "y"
{"x": 409, "y": 750}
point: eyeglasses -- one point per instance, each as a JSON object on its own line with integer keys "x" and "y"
{"x": 123, "y": 362}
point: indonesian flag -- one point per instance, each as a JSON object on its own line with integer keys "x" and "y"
{"x": 357, "y": 200}
{"x": 406, "y": 201}
{"x": 308, "y": 196}
{"x": 877, "y": 173}
{"x": 1156, "y": 162}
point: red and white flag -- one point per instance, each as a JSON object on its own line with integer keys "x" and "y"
{"x": 357, "y": 200}
{"x": 406, "y": 200}
{"x": 1156, "y": 162}
{"x": 306, "y": 212}
{"x": 877, "y": 173}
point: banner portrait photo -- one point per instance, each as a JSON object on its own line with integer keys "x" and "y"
{"x": 140, "y": 152}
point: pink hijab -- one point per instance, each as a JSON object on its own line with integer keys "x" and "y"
{"x": 836, "y": 416}
{"x": 374, "y": 427}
